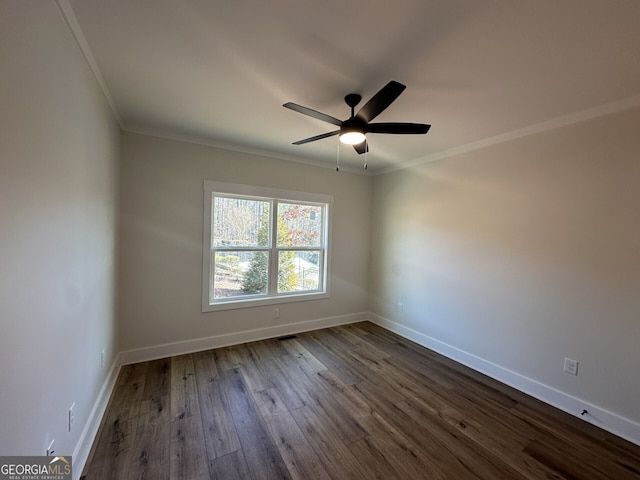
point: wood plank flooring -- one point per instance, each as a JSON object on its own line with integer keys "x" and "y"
{"x": 355, "y": 402}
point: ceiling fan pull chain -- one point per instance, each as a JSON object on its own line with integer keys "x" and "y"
{"x": 366, "y": 152}
{"x": 338, "y": 157}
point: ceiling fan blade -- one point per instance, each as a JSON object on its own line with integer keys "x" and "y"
{"x": 317, "y": 137}
{"x": 398, "y": 128}
{"x": 381, "y": 100}
{"x": 312, "y": 113}
{"x": 362, "y": 147}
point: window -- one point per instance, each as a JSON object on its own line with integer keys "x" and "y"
{"x": 263, "y": 246}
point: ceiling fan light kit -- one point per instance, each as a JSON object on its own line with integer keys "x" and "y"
{"x": 352, "y": 138}
{"x": 354, "y": 129}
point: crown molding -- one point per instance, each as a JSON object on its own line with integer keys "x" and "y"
{"x": 559, "y": 122}
{"x": 74, "y": 27}
{"x": 566, "y": 120}
{"x": 239, "y": 148}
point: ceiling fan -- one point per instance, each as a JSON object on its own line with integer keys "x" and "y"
{"x": 353, "y": 130}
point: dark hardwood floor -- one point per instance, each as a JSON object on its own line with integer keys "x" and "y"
{"x": 354, "y": 403}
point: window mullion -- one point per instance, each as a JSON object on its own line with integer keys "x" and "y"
{"x": 234, "y": 261}
{"x": 239, "y": 249}
{"x": 273, "y": 251}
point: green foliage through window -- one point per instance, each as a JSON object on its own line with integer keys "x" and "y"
{"x": 252, "y": 249}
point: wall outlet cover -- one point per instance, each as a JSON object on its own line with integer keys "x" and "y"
{"x": 570, "y": 366}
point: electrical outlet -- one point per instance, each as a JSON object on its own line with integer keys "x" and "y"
{"x": 570, "y": 366}
{"x": 102, "y": 359}
{"x": 400, "y": 307}
{"x": 50, "y": 449}
{"x": 71, "y": 417}
{"x": 276, "y": 313}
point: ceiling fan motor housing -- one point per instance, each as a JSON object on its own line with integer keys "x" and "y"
{"x": 354, "y": 124}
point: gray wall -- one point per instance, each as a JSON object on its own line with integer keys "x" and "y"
{"x": 162, "y": 229}
{"x": 59, "y": 150}
{"x": 518, "y": 255}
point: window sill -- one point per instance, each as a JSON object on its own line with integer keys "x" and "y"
{"x": 260, "y": 302}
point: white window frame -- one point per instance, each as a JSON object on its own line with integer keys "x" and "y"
{"x": 261, "y": 193}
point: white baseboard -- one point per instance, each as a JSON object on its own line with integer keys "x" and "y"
{"x": 601, "y": 417}
{"x": 217, "y": 341}
{"x": 609, "y": 421}
{"x": 85, "y": 442}
{"x": 83, "y": 447}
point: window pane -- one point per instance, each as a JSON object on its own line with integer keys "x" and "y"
{"x": 299, "y": 225}
{"x": 238, "y": 274}
{"x": 298, "y": 270}
{"x": 239, "y": 222}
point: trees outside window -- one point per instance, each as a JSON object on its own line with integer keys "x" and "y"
{"x": 255, "y": 277}
{"x": 264, "y": 248}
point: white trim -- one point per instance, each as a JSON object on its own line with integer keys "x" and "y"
{"x": 217, "y": 341}
{"x": 88, "y": 435}
{"x": 559, "y": 122}
{"x": 563, "y": 121}
{"x": 609, "y": 421}
{"x": 211, "y": 187}
{"x": 74, "y": 27}
{"x": 266, "y": 192}
{"x": 604, "y": 419}
{"x": 241, "y": 148}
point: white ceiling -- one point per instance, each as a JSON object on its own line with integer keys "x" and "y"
{"x": 477, "y": 70}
